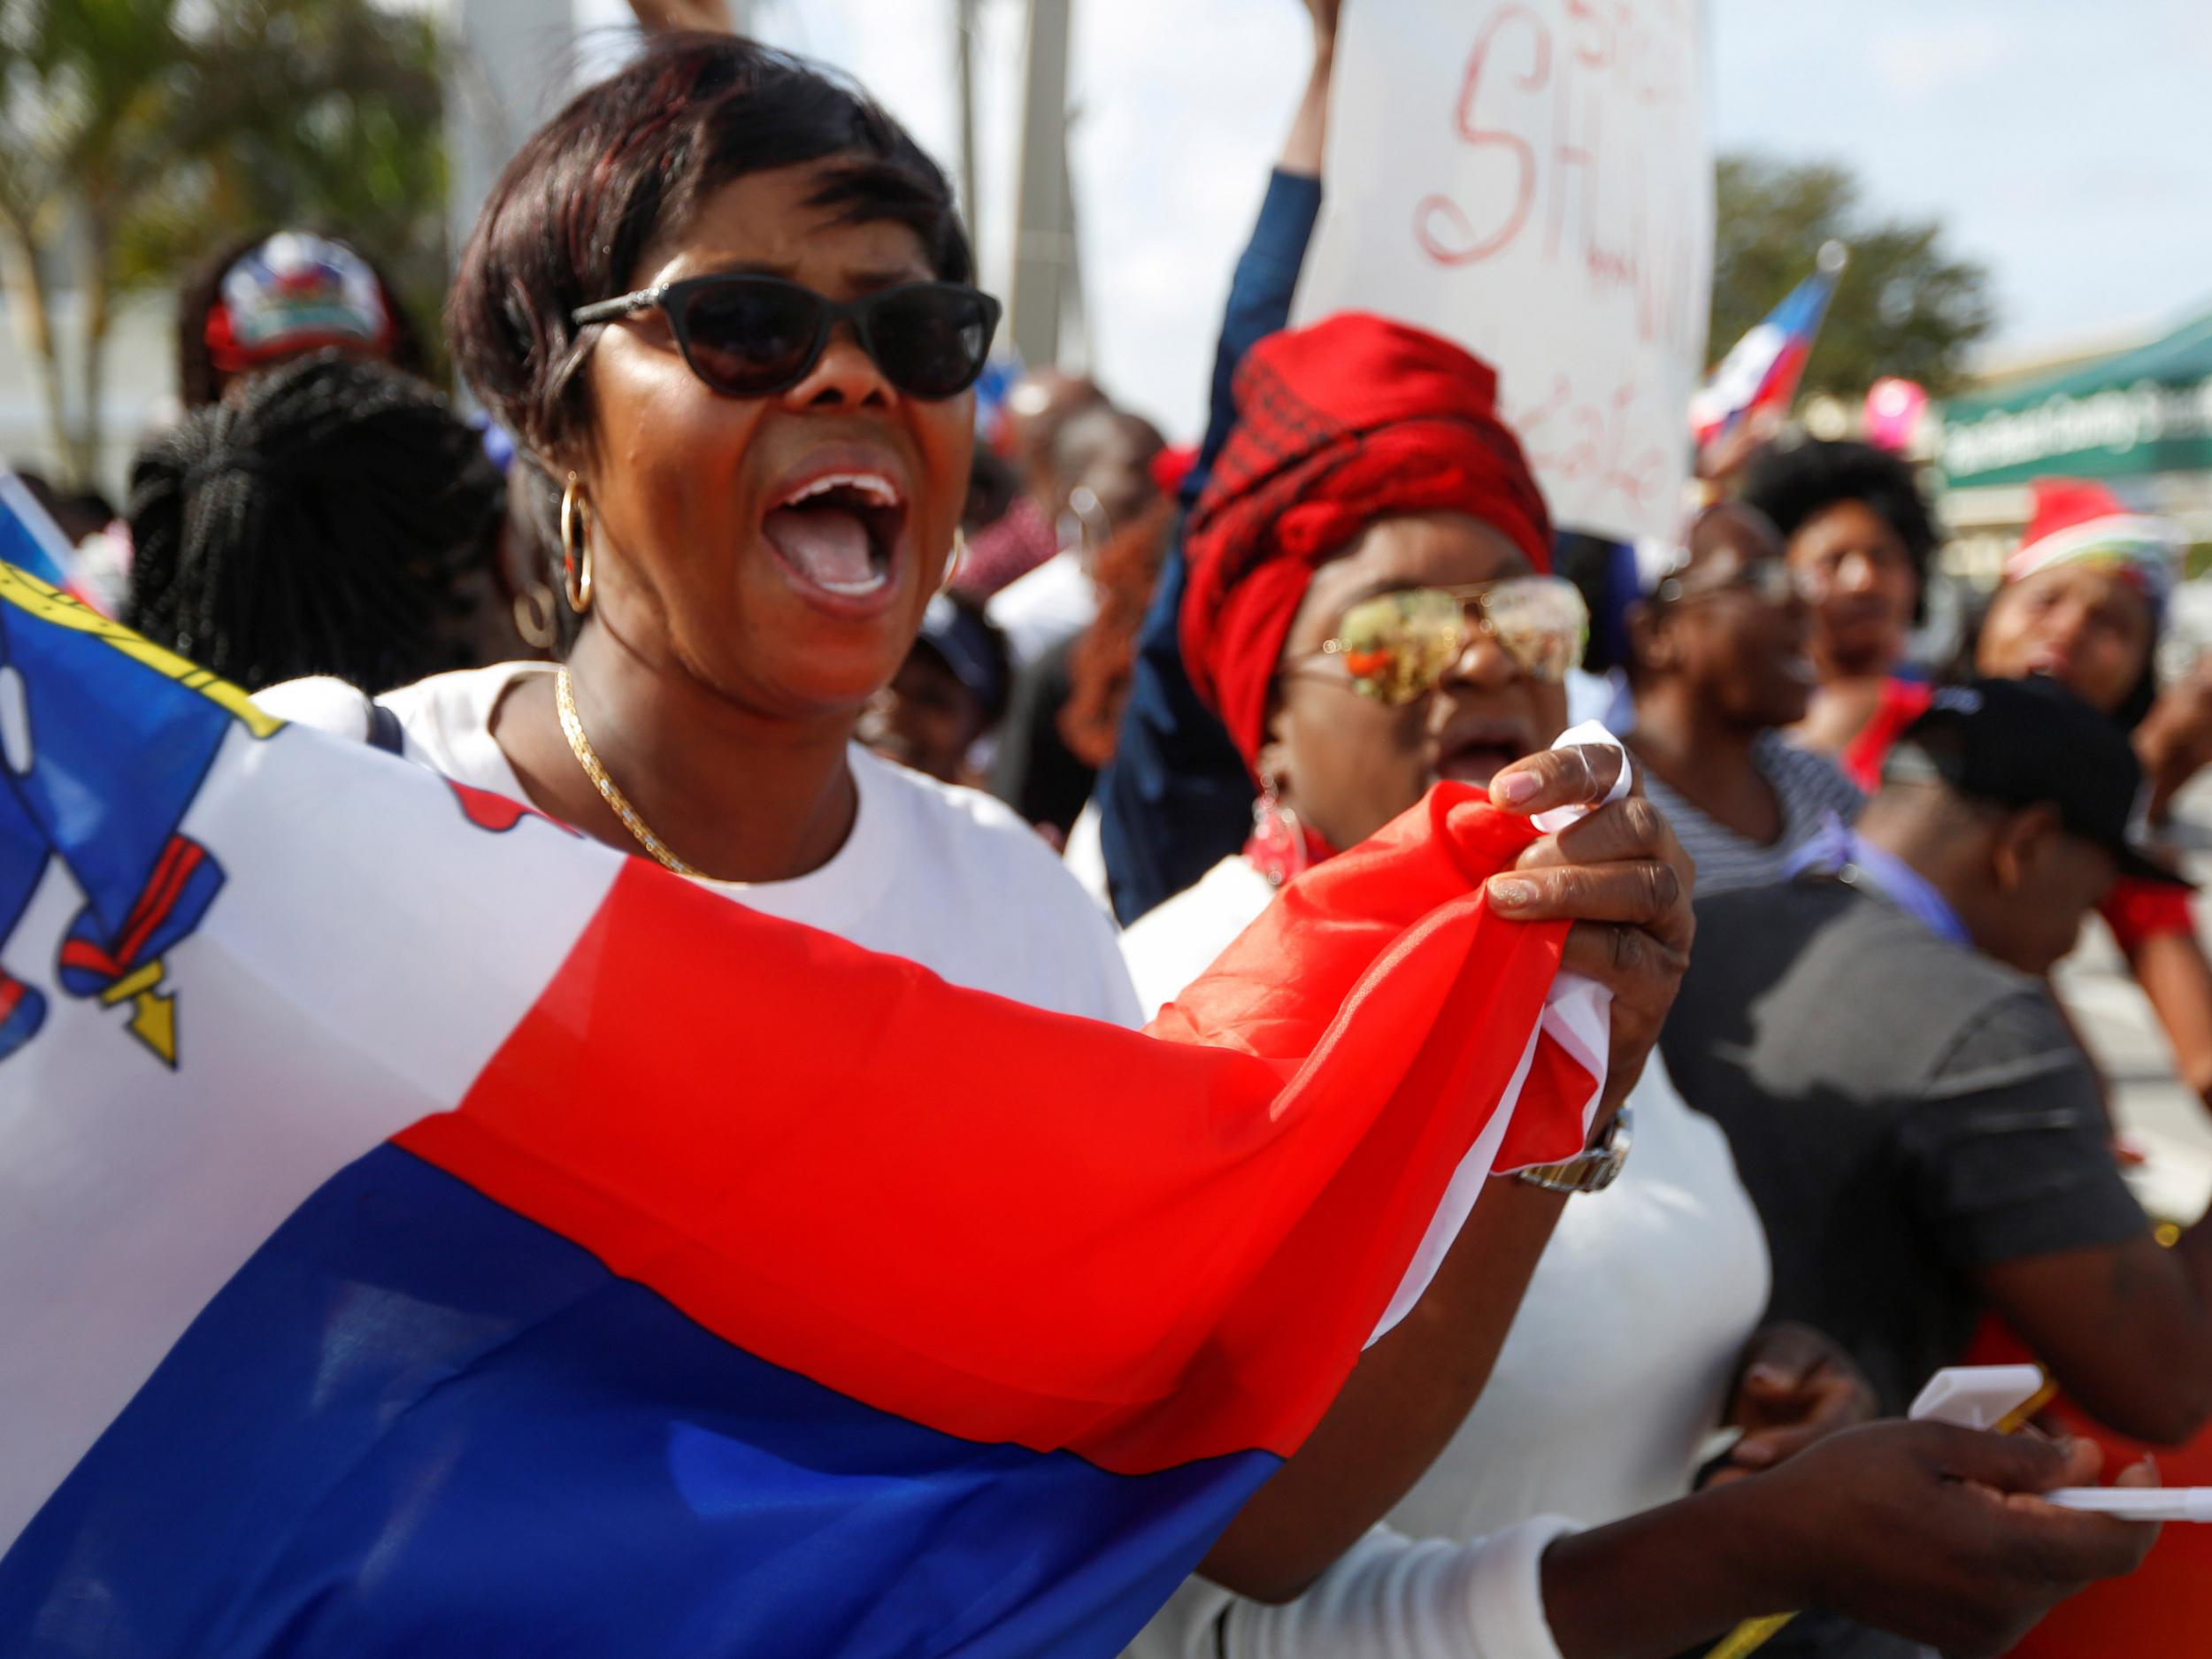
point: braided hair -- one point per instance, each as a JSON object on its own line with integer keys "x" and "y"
{"x": 327, "y": 520}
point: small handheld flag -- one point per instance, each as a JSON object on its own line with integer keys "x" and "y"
{"x": 1758, "y": 378}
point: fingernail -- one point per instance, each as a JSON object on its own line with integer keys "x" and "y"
{"x": 1512, "y": 896}
{"x": 1517, "y": 786}
{"x": 1767, "y": 1376}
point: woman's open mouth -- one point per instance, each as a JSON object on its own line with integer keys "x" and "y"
{"x": 840, "y": 534}
{"x": 1477, "y": 752}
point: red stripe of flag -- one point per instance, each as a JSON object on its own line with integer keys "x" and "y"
{"x": 1005, "y": 1223}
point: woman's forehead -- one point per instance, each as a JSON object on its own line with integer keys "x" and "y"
{"x": 2086, "y": 579}
{"x": 1438, "y": 549}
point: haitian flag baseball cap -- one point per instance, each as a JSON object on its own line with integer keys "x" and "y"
{"x": 294, "y": 292}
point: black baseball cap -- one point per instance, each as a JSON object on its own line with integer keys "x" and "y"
{"x": 2032, "y": 742}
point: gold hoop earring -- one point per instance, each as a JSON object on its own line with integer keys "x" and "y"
{"x": 952, "y": 563}
{"x": 576, "y": 545}
{"x": 533, "y": 617}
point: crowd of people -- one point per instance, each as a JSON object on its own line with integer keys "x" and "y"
{"x": 728, "y": 578}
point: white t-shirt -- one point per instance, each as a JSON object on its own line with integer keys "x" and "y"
{"x": 1603, "y": 1398}
{"x": 941, "y": 875}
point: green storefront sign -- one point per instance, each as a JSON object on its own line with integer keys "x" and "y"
{"x": 2144, "y": 410}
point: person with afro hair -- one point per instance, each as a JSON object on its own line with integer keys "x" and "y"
{"x": 1858, "y": 533}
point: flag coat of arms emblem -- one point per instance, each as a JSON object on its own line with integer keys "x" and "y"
{"x": 423, "y": 1230}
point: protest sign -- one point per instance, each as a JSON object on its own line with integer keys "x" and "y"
{"x": 1532, "y": 177}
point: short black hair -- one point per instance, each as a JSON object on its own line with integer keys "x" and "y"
{"x": 199, "y": 382}
{"x": 630, "y": 158}
{"x": 324, "y": 521}
{"x": 1795, "y": 483}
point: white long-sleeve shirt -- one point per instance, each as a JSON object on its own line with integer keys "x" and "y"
{"x": 1603, "y": 1394}
{"x": 1389, "y": 1597}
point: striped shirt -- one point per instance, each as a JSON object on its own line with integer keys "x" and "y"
{"x": 1809, "y": 787}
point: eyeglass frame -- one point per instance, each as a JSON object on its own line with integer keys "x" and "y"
{"x": 832, "y": 312}
{"x": 1792, "y": 584}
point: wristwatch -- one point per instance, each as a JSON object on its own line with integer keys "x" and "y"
{"x": 1595, "y": 1170}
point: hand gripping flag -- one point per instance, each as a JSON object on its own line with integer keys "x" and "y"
{"x": 495, "y": 1245}
{"x": 1758, "y": 378}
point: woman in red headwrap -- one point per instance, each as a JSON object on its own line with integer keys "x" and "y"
{"x": 1364, "y": 449}
{"x": 1369, "y": 610}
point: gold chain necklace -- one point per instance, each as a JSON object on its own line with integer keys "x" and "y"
{"x": 579, "y": 746}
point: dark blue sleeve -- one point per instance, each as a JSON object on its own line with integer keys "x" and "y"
{"x": 1176, "y": 799}
{"x": 1259, "y": 301}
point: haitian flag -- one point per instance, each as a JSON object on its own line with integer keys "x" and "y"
{"x": 1759, "y": 375}
{"x": 423, "y": 1230}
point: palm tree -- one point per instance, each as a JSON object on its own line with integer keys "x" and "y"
{"x": 137, "y": 135}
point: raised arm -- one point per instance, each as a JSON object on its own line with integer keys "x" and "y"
{"x": 1175, "y": 799}
{"x": 1266, "y": 275}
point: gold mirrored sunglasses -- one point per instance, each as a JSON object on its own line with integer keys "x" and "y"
{"x": 1399, "y": 646}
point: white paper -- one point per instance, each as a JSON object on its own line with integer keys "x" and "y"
{"x": 1533, "y": 179}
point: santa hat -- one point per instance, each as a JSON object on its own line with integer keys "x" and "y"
{"x": 2077, "y": 522}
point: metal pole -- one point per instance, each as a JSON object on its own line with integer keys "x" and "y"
{"x": 964, "y": 24}
{"x": 1043, "y": 247}
{"x": 501, "y": 79}
{"x": 1075, "y": 313}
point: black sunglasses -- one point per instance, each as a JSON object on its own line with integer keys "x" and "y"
{"x": 751, "y": 336}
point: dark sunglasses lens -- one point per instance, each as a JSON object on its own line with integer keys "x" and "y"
{"x": 932, "y": 341}
{"x": 750, "y": 339}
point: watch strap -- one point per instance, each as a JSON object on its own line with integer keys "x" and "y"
{"x": 1594, "y": 1171}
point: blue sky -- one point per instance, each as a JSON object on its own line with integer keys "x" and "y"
{"x": 2064, "y": 144}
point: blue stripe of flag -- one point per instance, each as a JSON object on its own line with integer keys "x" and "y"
{"x": 417, "y": 1424}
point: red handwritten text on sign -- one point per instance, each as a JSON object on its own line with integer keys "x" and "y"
{"x": 1530, "y": 177}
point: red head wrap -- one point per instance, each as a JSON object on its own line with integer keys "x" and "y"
{"x": 1353, "y": 419}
